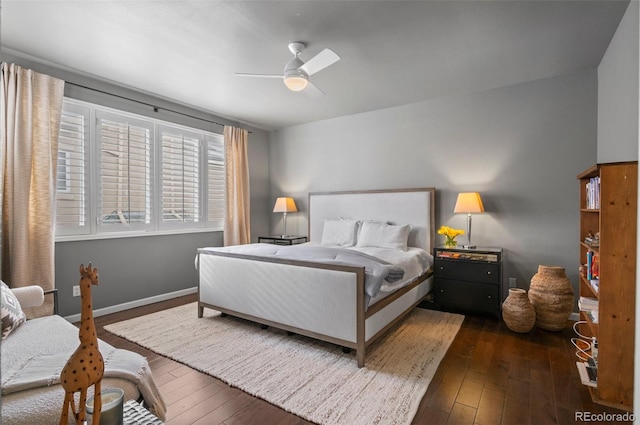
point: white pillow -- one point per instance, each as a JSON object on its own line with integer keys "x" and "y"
{"x": 384, "y": 235}
{"x": 341, "y": 232}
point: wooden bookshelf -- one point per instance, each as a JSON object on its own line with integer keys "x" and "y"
{"x": 616, "y": 221}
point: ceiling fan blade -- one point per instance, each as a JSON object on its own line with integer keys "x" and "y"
{"x": 241, "y": 74}
{"x": 313, "y": 91}
{"x": 320, "y": 61}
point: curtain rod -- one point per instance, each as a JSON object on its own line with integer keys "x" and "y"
{"x": 155, "y": 108}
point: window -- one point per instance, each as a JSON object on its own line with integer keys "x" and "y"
{"x": 147, "y": 175}
{"x": 215, "y": 181}
{"x": 71, "y": 182}
{"x": 180, "y": 176}
{"x": 124, "y": 172}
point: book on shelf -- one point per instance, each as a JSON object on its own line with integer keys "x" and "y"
{"x": 593, "y": 265}
{"x": 590, "y": 307}
{"x": 592, "y": 240}
{"x": 593, "y": 193}
{"x": 588, "y": 303}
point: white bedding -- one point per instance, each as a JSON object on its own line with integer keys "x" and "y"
{"x": 413, "y": 262}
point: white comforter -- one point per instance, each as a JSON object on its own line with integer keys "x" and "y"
{"x": 414, "y": 261}
{"x": 385, "y": 269}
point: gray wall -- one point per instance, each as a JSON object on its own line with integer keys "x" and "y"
{"x": 130, "y": 269}
{"x": 520, "y": 146}
{"x": 618, "y": 92}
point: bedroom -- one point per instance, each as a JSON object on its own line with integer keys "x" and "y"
{"x": 521, "y": 144}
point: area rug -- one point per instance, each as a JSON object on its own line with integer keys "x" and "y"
{"x": 312, "y": 379}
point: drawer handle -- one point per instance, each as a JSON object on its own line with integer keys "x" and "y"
{"x": 489, "y": 296}
{"x": 488, "y": 272}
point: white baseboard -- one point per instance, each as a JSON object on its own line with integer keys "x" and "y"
{"x": 137, "y": 303}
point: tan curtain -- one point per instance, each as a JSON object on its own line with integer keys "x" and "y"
{"x": 31, "y": 104}
{"x": 237, "y": 218}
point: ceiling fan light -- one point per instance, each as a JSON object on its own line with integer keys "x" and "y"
{"x": 296, "y": 82}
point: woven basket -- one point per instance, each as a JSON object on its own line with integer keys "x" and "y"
{"x": 517, "y": 312}
{"x": 551, "y": 294}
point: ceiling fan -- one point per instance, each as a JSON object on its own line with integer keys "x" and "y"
{"x": 296, "y": 73}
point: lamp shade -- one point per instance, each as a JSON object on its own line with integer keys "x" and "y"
{"x": 285, "y": 205}
{"x": 468, "y": 202}
{"x": 295, "y": 78}
{"x": 296, "y": 82}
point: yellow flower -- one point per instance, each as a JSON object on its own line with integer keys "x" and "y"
{"x": 450, "y": 235}
{"x": 450, "y": 232}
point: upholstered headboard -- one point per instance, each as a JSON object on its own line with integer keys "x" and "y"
{"x": 415, "y": 207}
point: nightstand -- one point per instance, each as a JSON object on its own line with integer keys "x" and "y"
{"x": 282, "y": 240}
{"x": 468, "y": 279}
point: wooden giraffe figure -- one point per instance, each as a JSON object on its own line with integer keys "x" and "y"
{"x": 85, "y": 367}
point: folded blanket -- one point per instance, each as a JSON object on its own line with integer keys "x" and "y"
{"x": 395, "y": 274}
{"x": 45, "y": 371}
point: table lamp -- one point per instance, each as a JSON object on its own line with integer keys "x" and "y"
{"x": 468, "y": 202}
{"x": 284, "y": 205}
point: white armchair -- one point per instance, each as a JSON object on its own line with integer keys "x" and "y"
{"x": 34, "y": 352}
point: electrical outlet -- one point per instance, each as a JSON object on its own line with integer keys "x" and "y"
{"x": 512, "y": 282}
{"x": 76, "y": 290}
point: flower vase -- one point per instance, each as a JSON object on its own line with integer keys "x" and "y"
{"x": 517, "y": 312}
{"x": 551, "y": 294}
{"x": 450, "y": 243}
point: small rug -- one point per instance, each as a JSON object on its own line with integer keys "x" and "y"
{"x": 309, "y": 378}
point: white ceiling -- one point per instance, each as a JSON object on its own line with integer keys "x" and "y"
{"x": 392, "y": 52}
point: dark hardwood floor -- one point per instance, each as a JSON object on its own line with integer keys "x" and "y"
{"x": 490, "y": 375}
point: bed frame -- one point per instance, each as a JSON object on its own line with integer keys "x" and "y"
{"x": 322, "y": 301}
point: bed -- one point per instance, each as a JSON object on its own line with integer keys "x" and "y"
{"x": 328, "y": 300}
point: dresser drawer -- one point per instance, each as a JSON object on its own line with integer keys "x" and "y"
{"x": 466, "y": 270}
{"x": 468, "y": 295}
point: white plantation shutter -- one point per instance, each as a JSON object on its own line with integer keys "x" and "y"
{"x": 72, "y": 212}
{"x": 125, "y": 181}
{"x": 180, "y": 176}
{"x": 215, "y": 181}
{"x": 121, "y": 172}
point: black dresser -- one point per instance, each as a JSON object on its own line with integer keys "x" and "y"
{"x": 468, "y": 279}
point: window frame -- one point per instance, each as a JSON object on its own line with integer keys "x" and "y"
{"x": 94, "y": 229}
